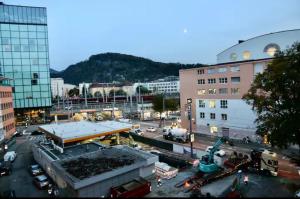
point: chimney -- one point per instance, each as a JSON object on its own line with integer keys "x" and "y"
{"x": 241, "y": 41}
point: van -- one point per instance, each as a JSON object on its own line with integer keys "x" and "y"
{"x": 10, "y": 156}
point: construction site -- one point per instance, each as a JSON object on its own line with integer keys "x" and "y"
{"x": 100, "y": 159}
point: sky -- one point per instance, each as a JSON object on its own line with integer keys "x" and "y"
{"x": 184, "y": 31}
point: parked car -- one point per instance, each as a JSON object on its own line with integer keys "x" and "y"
{"x": 5, "y": 168}
{"x": 37, "y": 133}
{"x": 35, "y": 170}
{"x": 151, "y": 129}
{"x": 41, "y": 181}
{"x": 10, "y": 156}
{"x": 219, "y": 152}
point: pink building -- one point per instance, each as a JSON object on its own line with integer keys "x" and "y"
{"x": 217, "y": 91}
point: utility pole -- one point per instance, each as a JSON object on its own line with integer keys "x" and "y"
{"x": 57, "y": 96}
{"x": 142, "y": 108}
{"x": 114, "y": 103}
{"x": 189, "y": 106}
{"x": 85, "y": 92}
{"x": 63, "y": 97}
{"x": 139, "y": 92}
{"x": 164, "y": 109}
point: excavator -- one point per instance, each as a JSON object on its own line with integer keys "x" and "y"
{"x": 207, "y": 164}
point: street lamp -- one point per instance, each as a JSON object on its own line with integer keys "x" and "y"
{"x": 192, "y": 138}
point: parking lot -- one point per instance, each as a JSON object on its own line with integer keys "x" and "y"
{"x": 20, "y": 180}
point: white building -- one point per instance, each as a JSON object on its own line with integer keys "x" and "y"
{"x": 57, "y": 85}
{"x": 168, "y": 85}
{"x": 81, "y": 85}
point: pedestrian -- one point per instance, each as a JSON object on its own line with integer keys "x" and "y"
{"x": 246, "y": 179}
{"x": 158, "y": 181}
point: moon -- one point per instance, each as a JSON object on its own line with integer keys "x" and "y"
{"x": 185, "y": 30}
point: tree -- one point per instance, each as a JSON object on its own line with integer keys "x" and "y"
{"x": 73, "y": 92}
{"x": 97, "y": 94}
{"x": 172, "y": 104}
{"x": 158, "y": 104}
{"x": 275, "y": 96}
{"x": 119, "y": 92}
{"x": 143, "y": 89}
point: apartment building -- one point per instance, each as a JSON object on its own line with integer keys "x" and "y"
{"x": 217, "y": 90}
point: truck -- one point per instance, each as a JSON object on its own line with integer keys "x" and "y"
{"x": 265, "y": 161}
{"x": 136, "y": 188}
{"x": 176, "y": 134}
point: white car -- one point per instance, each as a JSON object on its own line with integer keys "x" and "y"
{"x": 151, "y": 129}
{"x": 137, "y": 131}
{"x": 10, "y": 156}
{"x": 219, "y": 152}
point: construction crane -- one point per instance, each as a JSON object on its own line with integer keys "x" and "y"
{"x": 207, "y": 164}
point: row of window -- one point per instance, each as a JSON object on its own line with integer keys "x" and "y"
{"x": 213, "y": 91}
{"x": 23, "y": 27}
{"x": 213, "y": 116}
{"x": 222, "y": 80}
{"x": 23, "y": 41}
{"x": 212, "y": 104}
{"x": 5, "y": 94}
{"x": 9, "y": 127}
{"x": 23, "y": 48}
{"x": 34, "y": 102}
{"x": 7, "y": 116}
{"x": 219, "y": 70}
{"x": 6, "y": 105}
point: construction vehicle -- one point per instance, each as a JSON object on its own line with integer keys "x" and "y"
{"x": 176, "y": 134}
{"x": 265, "y": 161}
{"x": 132, "y": 143}
{"x": 207, "y": 163}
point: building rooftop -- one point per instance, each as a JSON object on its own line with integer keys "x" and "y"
{"x": 76, "y": 131}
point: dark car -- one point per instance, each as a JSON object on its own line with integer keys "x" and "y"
{"x": 5, "y": 168}
{"x": 37, "y": 133}
{"x": 41, "y": 181}
{"x": 35, "y": 170}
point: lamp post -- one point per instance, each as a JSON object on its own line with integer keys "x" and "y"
{"x": 189, "y": 103}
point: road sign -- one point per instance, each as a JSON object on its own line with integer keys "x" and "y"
{"x": 192, "y": 137}
{"x": 189, "y": 100}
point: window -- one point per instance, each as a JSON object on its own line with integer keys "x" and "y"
{"x": 233, "y": 56}
{"x": 235, "y": 91}
{"x": 224, "y": 116}
{"x": 35, "y": 75}
{"x": 234, "y": 68}
{"x": 223, "y": 91}
{"x": 223, "y": 80}
{"x": 246, "y": 54}
{"x": 200, "y": 71}
{"x": 34, "y": 82}
{"x": 211, "y": 71}
{"x": 201, "y": 92}
{"x": 235, "y": 79}
{"x": 211, "y": 81}
{"x": 223, "y": 104}
{"x": 212, "y": 103}
{"x": 213, "y": 129}
{"x": 212, "y": 116}
{"x": 258, "y": 68}
{"x": 201, "y": 81}
{"x": 202, "y": 115}
{"x": 212, "y": 91}
{"x": 201, "y": 104}
{"x": 222, "y": 70}
{"x": 271, "y": 49}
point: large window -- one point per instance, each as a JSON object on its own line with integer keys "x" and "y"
{"x": 235, "y": 79}
{"x": 201, "y": 92}
{"x": 223, "y": 91}
{"x": 246, "y": 54}
{"x": 235, "y": 68}
{"x": 235, "y": 91}
{"x": 201, "y": 104}
{"x": 212, "y": 91}
{"x": 212, "y": 103}
{"x": 223, "y": 103}
{"x": 211, "y": 71}
{"x": 222, "y": 70}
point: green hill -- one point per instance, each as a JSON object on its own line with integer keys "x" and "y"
{"x": 108, "y": 67}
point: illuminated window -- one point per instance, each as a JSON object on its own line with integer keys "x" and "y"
{"x": 212, "y": 91}
{"x": 233, "y": 56}
{"x": 246, "y": 54}
{"x": 201, "y": 92}
{"x": 271, "y": 49}
{"x": 212, "y": 103}
{"x": 213, "y": 129}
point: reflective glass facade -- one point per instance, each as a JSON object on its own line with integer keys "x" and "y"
{"x": 24, "y": 54}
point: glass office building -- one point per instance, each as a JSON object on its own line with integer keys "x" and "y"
{"x": 24, "y": 55}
